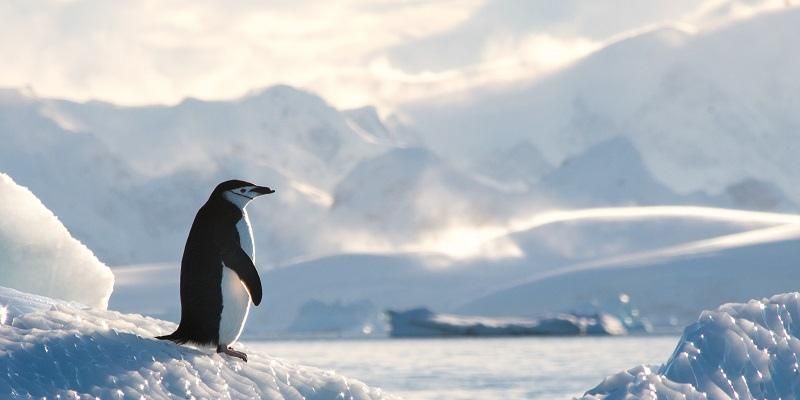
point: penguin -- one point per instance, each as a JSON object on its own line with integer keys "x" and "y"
{"x": 218, "y": 273}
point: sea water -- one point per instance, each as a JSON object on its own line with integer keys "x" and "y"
{"x": 477, "y": 369}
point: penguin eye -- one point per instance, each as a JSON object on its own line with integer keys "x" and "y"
{"x": 242, "y": 190}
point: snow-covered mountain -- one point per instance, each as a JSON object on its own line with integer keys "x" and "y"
{"x": 407, "y": 194}
{"x": 128, "y": 180}
{"x": 705, "y": 111}
{"x": 294, "y": 133}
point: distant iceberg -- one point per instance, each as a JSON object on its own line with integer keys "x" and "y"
{"x": 421, "y": 322}
{"x": 55, "y": 349}
{"x": 739, "y": 351}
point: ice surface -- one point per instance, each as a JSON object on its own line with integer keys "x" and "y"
{"x": 739, "y": 351}
{"x": 421, "y": 322}
{"x": 38, "y": 254}
{"x": 51, "y": 348}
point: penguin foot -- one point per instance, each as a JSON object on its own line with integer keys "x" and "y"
{"x": 231, "y": 352}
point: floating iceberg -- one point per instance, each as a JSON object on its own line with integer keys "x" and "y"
{"x": 739, "y": 351}
{"x": 421, "y": 322}
{"x": 55, "y": 349}
{"x": 38, "y": 254}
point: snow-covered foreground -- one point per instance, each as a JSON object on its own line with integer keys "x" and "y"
{"x": 51, "y": 348}
{"x": 739, "y": 351}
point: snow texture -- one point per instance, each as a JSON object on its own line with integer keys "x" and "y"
{"x": 51, "y": 348}
{"x": 421, "y": 322}
{"x": 739, "y": 351}
{"x": 38, "y": 254}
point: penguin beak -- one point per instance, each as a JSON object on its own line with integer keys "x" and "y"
{"x": 262, "y": 190}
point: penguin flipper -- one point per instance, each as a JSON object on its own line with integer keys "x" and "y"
{"x": 237, "y": 260}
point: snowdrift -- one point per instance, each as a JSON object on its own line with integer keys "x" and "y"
{"x": 739, "y": 351}
{"x": 38, "y": 254}
{"x": 421, "y": 322}
{"x": 51, "y": 348}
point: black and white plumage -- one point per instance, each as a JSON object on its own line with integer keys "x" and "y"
{"x": 218, "y": 274}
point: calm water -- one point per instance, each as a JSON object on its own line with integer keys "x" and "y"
{"x": 508, "y": 368}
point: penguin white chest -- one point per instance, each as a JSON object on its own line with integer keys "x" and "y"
{"x": 246, "y": 236}
{"x": 235, "y": 297}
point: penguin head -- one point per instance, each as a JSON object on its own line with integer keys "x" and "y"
{"x": 239, "y": 192}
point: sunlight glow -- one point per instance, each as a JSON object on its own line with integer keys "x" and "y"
{"x": 494, "y": 242}
{"x": 626, "y": 213}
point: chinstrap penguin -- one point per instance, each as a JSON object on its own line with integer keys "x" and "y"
{"x": 218, "y": 273}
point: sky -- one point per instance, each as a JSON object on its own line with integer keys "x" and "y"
{"x": 351, "y": 52}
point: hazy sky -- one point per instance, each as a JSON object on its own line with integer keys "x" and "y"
{"x": 351, "y": 52}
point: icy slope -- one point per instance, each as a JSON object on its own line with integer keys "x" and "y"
{"x": 739, "y": 351}
{"x": 38, "y": 254}
{"x": 55, "y": 349}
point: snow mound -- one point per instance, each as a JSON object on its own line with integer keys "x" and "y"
{"x": 38, "y": 254}
{"x": 421, "y": 322}
{"x": 57, "y": 350}
{"x": 739, "y": 351}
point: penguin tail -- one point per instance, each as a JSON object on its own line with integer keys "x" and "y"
{"x": 173, "y": 337}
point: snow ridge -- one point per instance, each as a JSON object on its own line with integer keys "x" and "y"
{"x": 739, "y": 351}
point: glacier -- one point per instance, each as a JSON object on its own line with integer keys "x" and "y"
{"x": 739, "y": 351}
{"x": 56, "y": 349}
{"x": 38, "y": 254}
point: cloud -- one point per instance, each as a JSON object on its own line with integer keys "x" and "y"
{"x": 147, "y": 51}
{"x": 352, "y": 52}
